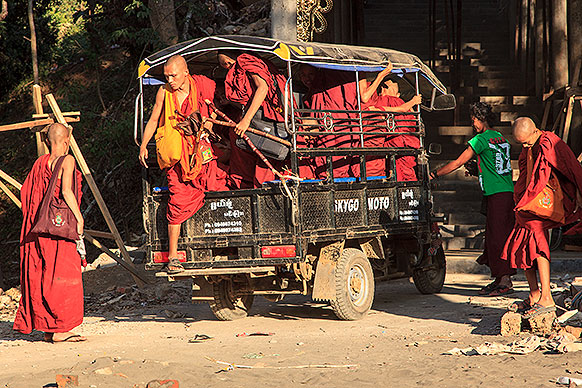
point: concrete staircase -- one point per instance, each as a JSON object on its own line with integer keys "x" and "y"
{"x": 488, "y": 74}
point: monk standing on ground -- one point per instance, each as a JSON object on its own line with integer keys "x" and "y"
{"x": 256, "y": 84}
{"x": 527, "y": 246}
{"x": 187, "y": 181}
{"x": 50, "y": 267}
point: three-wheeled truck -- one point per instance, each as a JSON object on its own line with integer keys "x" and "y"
{"x": 330, "y": 238}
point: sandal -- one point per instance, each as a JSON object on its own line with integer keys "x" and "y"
{"x": 538, "y": 309}
{"x": 501, "y": 290}
{"x": 174, "y": 266}
{"x": 488, "y": 288}
{"x": 519, "y": 306}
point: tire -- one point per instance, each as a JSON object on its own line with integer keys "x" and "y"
{"x": 354, "y": 285}
{"x": 431, "y": 281}
{"x": 227, "y": 306}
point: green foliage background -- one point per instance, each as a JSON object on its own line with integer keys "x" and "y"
{"x": 88, "y": 52}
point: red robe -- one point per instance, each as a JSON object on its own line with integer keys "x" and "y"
{"x": 50, "y": 268}
{"x": 187, "y": 197}
{"x": 335, "y": 90}
{"x": 404, "y": 164}
{"x": 240, "y": 88}
{"x": 528, "y": 240}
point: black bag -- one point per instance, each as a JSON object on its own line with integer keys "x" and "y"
{"x": 269, "y": 148}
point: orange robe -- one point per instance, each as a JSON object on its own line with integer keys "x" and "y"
{"x": 50, "y": 268}
{"x": 187, "y": 186}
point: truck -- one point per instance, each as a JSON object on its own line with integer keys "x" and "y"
{"x": 330, "y": 238}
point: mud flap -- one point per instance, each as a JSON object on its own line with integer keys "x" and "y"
{"x": 324, "y": 283}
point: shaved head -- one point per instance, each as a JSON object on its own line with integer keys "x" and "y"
{"x": 57, "y": 133}
{"x": 176, "y": 73}
{"x": 177, "y": 60}
{"x": 525, "y": 131}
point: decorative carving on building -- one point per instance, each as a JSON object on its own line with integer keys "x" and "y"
{"x": 310, "y": 19}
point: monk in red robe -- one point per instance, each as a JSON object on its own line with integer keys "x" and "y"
{"x": 50, "y": 267}
{"x": 197, "y": 170}
{"x": 389, "y": 100}
{"x": 254, "y": 83}
{"x": 527, "y": 245}
{"x": 333, "y": 90}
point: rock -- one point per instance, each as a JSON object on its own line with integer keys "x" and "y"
{"x": 103, "y": 371}
{"x": 5, "y": 300}
{"x": 543, "y": 324}
{"x": 67, "y": 381}
{"x": 230, "y": 29}
{"x": 13, "y": 293}
{"x": 510, "y": 324}
{"x": 575, "y": 331}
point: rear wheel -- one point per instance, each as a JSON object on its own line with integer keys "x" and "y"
{"x": 430, "y": 281}
{"x": 354, "y": 285}
{"x": 227, "y": 305}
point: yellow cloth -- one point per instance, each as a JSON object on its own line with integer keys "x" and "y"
{"x": 171, "y": 144}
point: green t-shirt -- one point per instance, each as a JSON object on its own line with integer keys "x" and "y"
{"x": 493, "y": 161}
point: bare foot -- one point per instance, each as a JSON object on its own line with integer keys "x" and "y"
{"x": 64, "y": 337}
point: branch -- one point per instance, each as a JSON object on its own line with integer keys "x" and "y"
{"x": 4, "y": 11}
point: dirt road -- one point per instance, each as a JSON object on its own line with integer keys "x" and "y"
{"x": 400, "y": 344}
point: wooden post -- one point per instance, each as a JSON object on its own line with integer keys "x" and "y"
{"x": 33, "y": 41}
{"x": 10, "y": 194}
{"x": 559, "y": 45}
{"x": 96, "y": 193}
{"x": 41, "y": 147}
{"x": 10, "y": 180}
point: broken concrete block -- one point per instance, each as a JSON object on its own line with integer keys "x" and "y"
{"x": 510, "y": 324}
{"x": 543, "y": 324}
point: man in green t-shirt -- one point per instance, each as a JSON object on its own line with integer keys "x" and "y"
{"x": 495, "y": 177}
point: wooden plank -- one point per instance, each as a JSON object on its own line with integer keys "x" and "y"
{"x": 96, "y": 193}
{"x": 34, "y": 124}
{"x": 25, "y": 125}
{"x": 10, "y": 180}
{"x": 568, "y": 119}
{"x": 98, "y": 233}
{"x": 47, "y": 115}
{"x": 41, "y": 146}
{"x": 124, "y": 263}
{"x": 573, "y": 248}
{"x": 10, "y": 194}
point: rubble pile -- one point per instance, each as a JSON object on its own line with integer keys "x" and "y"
{"x": 253, "y": 19}
{"x": 116, "y": 298}
{"x": 9, "y": 300}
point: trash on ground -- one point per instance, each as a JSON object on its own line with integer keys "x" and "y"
{"x": 200, "y": 338}
{"x": 255, "y": 334}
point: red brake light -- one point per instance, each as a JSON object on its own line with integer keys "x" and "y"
{"x": 162, "y": 257}
{"x": 278, "y": 251}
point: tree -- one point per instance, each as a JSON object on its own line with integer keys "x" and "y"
{"x": 163, "y": 19}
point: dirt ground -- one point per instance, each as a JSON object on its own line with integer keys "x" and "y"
{"x": 135, "y": 336}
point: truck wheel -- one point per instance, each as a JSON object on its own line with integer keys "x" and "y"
{"x": 431, "y": 281}
{"x": 354, "y": 285}
{"x": 227, "y": 306}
